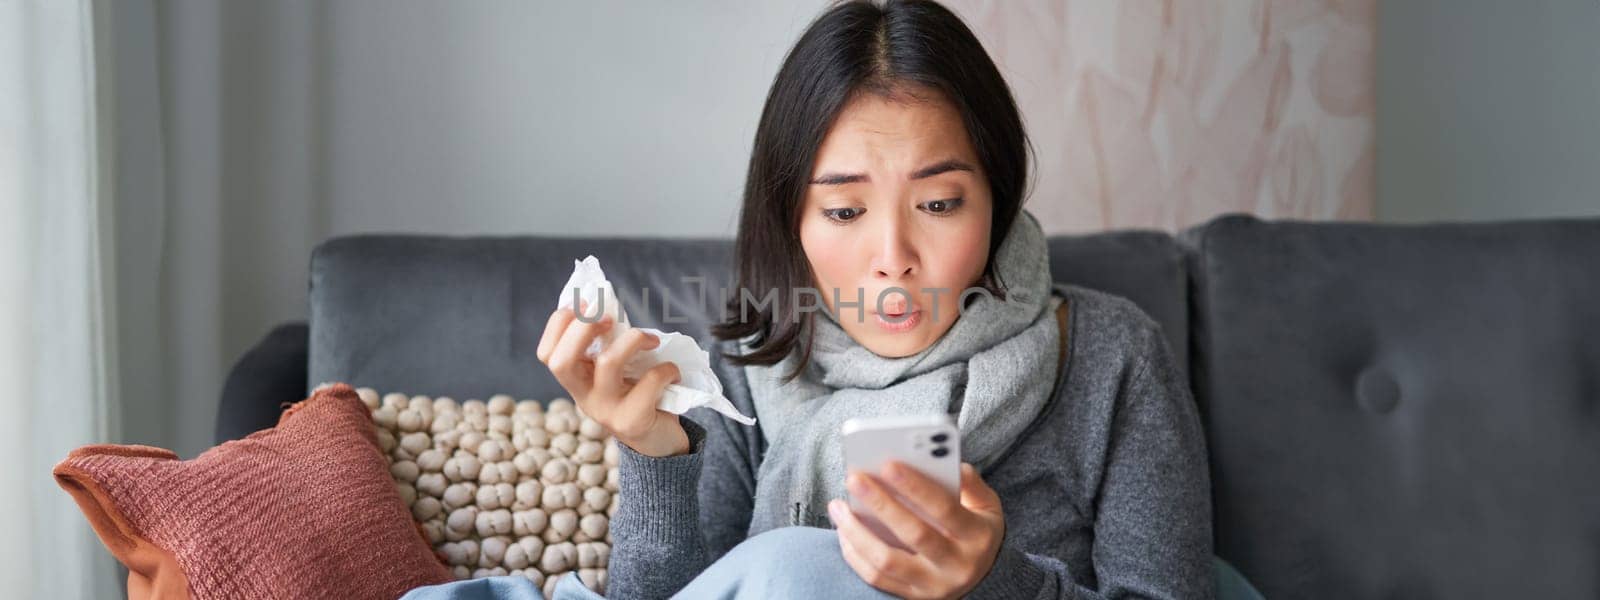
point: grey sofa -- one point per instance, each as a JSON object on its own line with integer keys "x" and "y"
{"x": 1391, "y": 411}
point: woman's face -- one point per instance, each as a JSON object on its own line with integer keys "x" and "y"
{"x": 896, "y": 200}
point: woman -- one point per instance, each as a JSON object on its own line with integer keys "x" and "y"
{"x": 888, "y": 175}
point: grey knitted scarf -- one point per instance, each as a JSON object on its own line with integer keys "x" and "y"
{"x": 993, "y": 371}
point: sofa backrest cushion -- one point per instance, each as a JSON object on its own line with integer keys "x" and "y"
{"x": 1402, "y": 411}
{"x": 439, "y": 315}
{"x": 463, "y": 315}
{"x": 1147, "y": 267}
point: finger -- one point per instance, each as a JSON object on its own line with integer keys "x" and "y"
{"x": 981, "y": 500}
{"x": 923, "y": 493}
{"x": 608, "y": 365}
{"x": 976, "y": 495}
{"x": 553, "y": 328}
{"x": 870, "y": 574}
{"x": 922, "y": 537}
{"x": 637, "y": 411}
{"x": 852, "y": 534}
{"x": 647, "y": 392}
{"x": 566, "y": 362}
{"x": 577, "y": 338}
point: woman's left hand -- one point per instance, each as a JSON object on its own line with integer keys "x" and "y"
{"x": 950, "y": 551}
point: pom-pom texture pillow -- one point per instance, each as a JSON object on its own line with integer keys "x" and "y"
{"x": 306, "y": 509}
{"x": 504, "y": 487}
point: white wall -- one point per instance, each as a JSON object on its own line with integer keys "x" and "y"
{"x": 560, "y": 118}
{"x": 1488, "y": 109}
{"x": 248, "y": 132}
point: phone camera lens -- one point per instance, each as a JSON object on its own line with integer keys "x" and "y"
{"x": 940, "y": 438}
{"x": 940, "y": 452}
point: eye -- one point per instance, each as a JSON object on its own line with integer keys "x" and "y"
{"x": 842, "y": 215}
{"x": 940, "y": 208}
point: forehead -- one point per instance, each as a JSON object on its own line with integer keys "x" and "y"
{"x": 903, "y": 126}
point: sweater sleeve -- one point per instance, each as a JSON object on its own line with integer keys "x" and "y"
{"x": 678, "y": 514}
{"x": 1152, "y": 531}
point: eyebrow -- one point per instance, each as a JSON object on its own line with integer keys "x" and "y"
{"x": 943, "y": 166}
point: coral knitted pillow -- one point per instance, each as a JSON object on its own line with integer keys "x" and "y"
{"x": 504, "y": 487}
{"x": 306, "y": 509}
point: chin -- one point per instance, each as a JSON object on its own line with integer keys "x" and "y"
{"x": 895, "y": 349}
{"x": 889, "y": 345}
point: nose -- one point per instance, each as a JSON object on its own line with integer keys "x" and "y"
{"x": 896, "y": 257}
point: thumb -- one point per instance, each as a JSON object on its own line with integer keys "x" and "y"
{"x": 647, "y": 392}
{"x": 976, "y": 495}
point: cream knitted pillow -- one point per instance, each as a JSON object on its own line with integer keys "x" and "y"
{"x": 504, "y": 487}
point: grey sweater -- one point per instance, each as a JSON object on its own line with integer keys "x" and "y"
{"x": 1106, "y": 494}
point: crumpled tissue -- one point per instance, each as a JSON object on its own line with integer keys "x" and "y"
{"x": 698, "y": 385}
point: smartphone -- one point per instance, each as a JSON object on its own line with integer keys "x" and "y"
{"x": 928, "y": 443}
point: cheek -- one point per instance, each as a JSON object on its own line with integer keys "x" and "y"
{"x": 828, "y": 257}
{"x": 965, "y": 251}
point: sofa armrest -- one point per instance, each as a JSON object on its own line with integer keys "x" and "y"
{"x": 268, "y": 374}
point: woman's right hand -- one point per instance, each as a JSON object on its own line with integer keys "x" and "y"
{"x": 626, "y": 409}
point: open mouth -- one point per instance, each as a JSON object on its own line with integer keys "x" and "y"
{"x": 898, "y": 322}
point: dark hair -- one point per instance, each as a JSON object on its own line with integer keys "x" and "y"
{"x": 853, "y": 47}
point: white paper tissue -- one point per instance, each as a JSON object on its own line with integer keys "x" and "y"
{"x": 699, "y": 385}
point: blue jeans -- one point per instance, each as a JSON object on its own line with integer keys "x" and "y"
{"x": 811, "y": 567}
{"x": 789, "y": 562}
